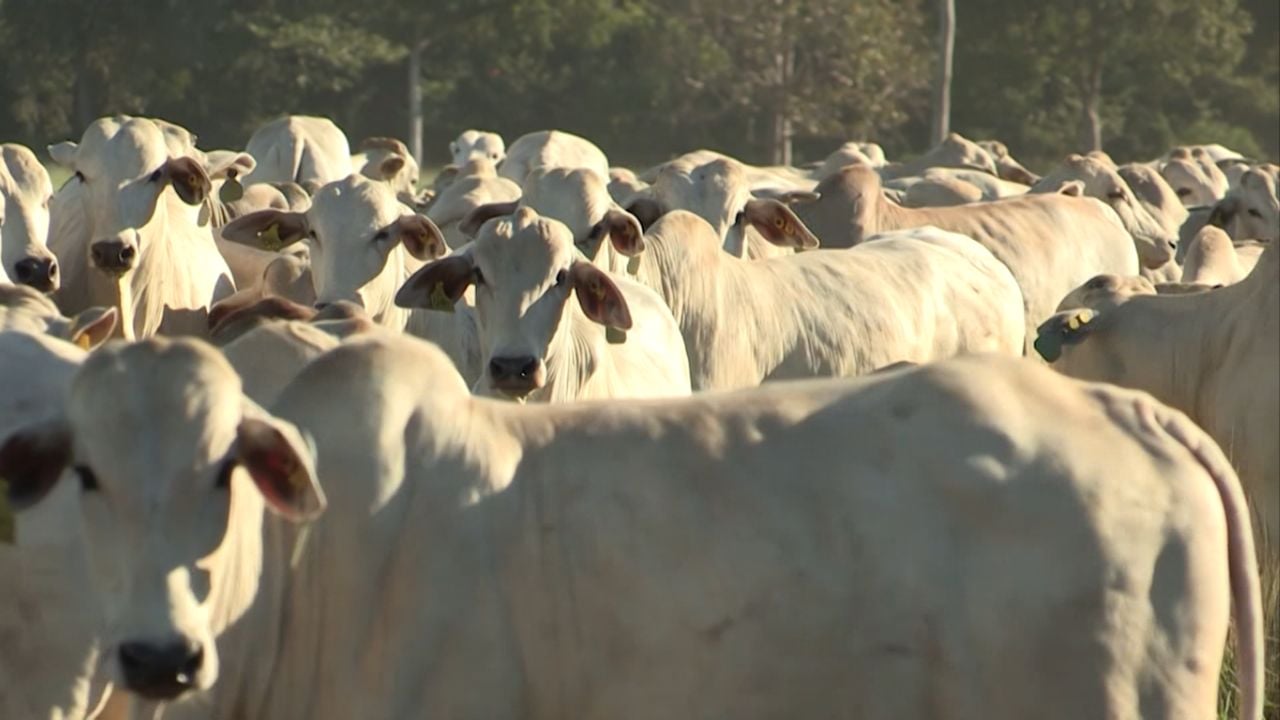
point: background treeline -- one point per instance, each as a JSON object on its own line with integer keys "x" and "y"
{"x": 649, "y": 78}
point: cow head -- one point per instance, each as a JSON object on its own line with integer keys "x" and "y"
{"x": 477, "y": 144}
{"x": 357, "y": 232}
{"x": 165, "y": 454}
{"x": 525, "y": 269}
{"x": 25, "y": 191}
{"x": 124, "y": 169}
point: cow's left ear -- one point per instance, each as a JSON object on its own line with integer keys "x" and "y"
{"x": 92, "y": 327}
{"x": 64, "y": 153}
{"x": 599, "y": 296}
{"x": 1065, "y": 328}
{"x": 187, "y": 177}
{"x": 281, "y": 463}
{"x": 778, "y": 224}
{"x": 389, "y": 166}
{"x": 420, "y": 236}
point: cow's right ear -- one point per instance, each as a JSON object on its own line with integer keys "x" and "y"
{"x": 1065, "y": 328}
{"x": 64, "y": 153}
{"x": 281, "y": 463}
{"x": 269, "y": 230}
{"x": 439, "y": 284}
{"x": 646, "y": 210}
{"x": 1071, "y": 188}
{"x": 474, "y": 220}
{"x": 32, "y": 459}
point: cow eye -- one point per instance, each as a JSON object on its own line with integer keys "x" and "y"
{"x": 224, "y": 474}
{"x": 1183, "y": 192}
{"x": 155, "y": 176}
{"x": 380, "y": 236}
{"x": 88, "y": 481}
{"x": 561, "y": 278}
{"x": 79, "y": 176}
{"x": 1255, "y": 212}
{"x": 1116, "y": 194}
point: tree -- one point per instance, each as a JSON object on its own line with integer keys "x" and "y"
{"x": 942, "y": 76}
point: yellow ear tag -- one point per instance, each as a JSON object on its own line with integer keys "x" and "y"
{"x": 633, "y": 265}
{"x": 438, "y": 300}
{"x": 615, "y": 336}
{"x": 1074, "y": 322}
{"x": 82, "y": 341}
{"x": 270, "y": 238}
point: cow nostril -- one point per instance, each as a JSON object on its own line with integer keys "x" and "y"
{"x": 25, "y": 270}
{"x": 160, "y": 671}
{"x": 529, "y": 368}
{"x": 53, "y": 269}
{"x": 127, "y": 253}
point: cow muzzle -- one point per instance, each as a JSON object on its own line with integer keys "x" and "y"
{"x": 115, "y": 256}
{"x": 40, "y": 273}
{"x": 161, "y": 671}
{"x": 516, "y": 376}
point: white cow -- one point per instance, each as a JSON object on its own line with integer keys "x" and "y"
{"x": 551, "y": 149}
{"x": 477, "y": 145}
{"x": 387, "y": 159}
{"x": 475, "y": 184}
{"x": 127, "y": 232}
{"x": 25, "y": 192}
{"x": 364, "y": 244}
{"x": 1211, "y": 354}
{"x": 1194, "y": 183}
{"x": 1155, "y": 244}
{"x": 577, "y": 197}
{"x": 25, "y": 309}
{"x": 955, "y": 151}
{"x": 1252, "y": 210}
{"x": 539, "y": 344}
{"x": 913, "y": 296}
{"x": 790, "y": 551}
{"x": 310, "y": 151}
{"x": 1214, "y": 259}
{"x": 1051, "y": 243}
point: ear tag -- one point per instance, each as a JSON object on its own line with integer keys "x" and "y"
{"x": 1049, "y": 345}
{"x": 440, "y": 301}
{"x": 231, "y": 190}
{"x": 270, "y": 238}
{"x": 82, "y": 341}
{"x": 633, "y": 265}
{"x": 615, "y": 336}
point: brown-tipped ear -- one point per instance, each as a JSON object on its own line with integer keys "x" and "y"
{"x": 31, "y": 460}
{"x": 389, "y": 166}
{"x": 623, "y": 230}
{"x": 646, "y": 211}
{"x": 281, "y": 464}
{"x": 778, "y": 224}
{"x": 267, "y": 229}
{"x": 439, "y": 284}
{"x": 470, "y": 225}
{"x": 420, "y": 236}
{"x": 599, "y": 296}
{"x": 232, "y": 165}
{"x": 90, "y": 328}
{"x": 188, "y": 179}
{"x": 1223, "y": 213}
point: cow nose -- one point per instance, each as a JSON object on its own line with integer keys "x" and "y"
{"x": 513, "y": 368}
{"x": 39, "y": 273}
{"x": 160, "y": 671}
{"x": 115, "y": 256}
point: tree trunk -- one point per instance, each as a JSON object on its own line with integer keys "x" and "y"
{"x": 783, "y": 131}
{"x": 415, "y": 101}
{"x": 1091, "y": 126}
{"x": 942, "y": 78}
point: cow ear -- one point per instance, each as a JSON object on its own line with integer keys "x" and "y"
{"x": 471, "y": 224}
{"x": 1065, "y": 328}
{"x": 1071, "y": 188}
{"x": 779, "y": 224}
{"x": 90, "y": 328}
{"x": 231, "y": 165}
{"x": 623, "y": 231}
{"x": 64, "y": 153}
{"x": 439, "y": 284}
{"x": 269, "y": 230}
{"x": 188, "y": 179}
{"x": 31, "y": 460}
{"x": 389, "y": 166}
{"x": 281, "y": 463}
{"x": 420, "y": 236}
{"x": 647, "y": 211}
{"x": 600, "y": 298}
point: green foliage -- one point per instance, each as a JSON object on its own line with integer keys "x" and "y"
{"x": 650, "y": 78}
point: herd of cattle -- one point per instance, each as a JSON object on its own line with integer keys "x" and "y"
{"x": 1050, "y": 492}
